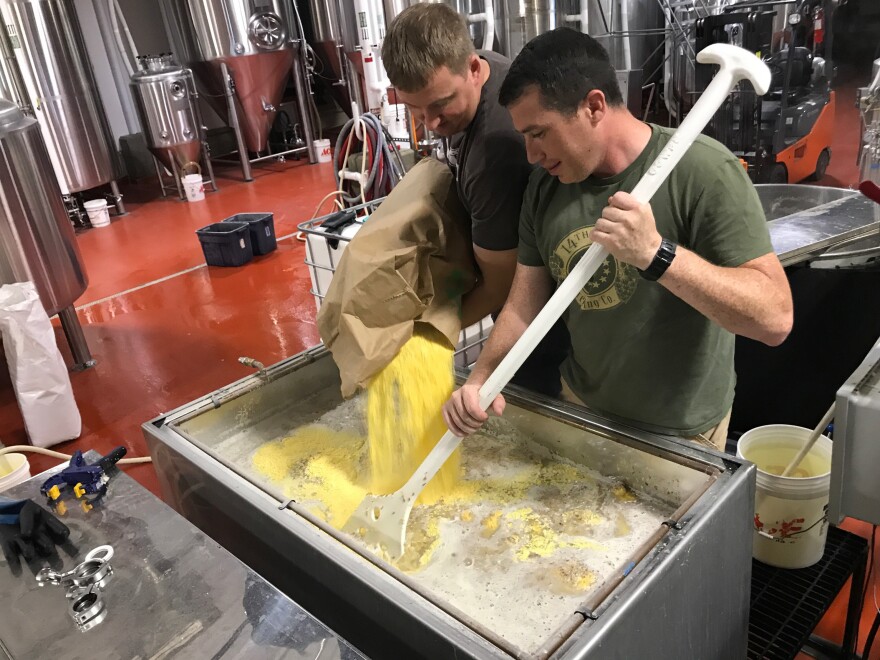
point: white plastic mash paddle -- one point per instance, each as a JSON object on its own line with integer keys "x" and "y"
{"x": 382, "y": 519}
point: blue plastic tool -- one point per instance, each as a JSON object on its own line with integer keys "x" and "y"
{"x": 83, "y": 478}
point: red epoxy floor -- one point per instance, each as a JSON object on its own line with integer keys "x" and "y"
{"x": 162, "y": 345}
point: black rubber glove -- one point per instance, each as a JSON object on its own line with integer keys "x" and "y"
{"x": 36, "y": 533}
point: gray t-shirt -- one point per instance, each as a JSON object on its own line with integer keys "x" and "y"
{"x": 490, "y": 164}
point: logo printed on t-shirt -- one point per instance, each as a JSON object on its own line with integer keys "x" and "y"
{"x": 612, "y": 285}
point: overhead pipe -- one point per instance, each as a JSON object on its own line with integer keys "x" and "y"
{"x": 369, "y": 43}
{"x": 487, "y": 16}
{"x": 120, "y": 68}
{"x": 117, "y": 15}
{"x": 624, "y": 29}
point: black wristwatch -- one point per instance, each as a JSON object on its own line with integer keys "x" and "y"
{"x": 665, "y": 255}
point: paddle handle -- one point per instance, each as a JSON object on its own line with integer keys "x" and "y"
{"x": 430, "y": 466}
{"x": 735, "y": 64}
{"x": 823, "y": 423}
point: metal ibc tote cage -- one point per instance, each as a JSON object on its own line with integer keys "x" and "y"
{"x": 324, "y": 248}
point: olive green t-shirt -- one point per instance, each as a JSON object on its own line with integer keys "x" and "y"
{"x": 639, "y": 353}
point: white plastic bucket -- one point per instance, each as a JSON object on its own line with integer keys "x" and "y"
{"x": 322, "y": 148}
{"x": 790, "y": 520}
{"x": 14, "y": 469}
{"x": 97, "y": 211}
{"x": 194, "y": 187}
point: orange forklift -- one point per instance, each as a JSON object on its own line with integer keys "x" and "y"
{"x": 784, "y": 136}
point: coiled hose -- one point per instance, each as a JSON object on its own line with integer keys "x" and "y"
{"x": 379, "y": 171}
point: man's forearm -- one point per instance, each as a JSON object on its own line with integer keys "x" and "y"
{"x": 751, "y": 301}
{"x": 507, "y": 329}
{"x": 478, "y": 303}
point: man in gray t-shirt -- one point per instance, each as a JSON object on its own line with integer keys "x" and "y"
{"x": 453, "y": 90}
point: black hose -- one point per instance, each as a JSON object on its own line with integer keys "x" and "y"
{"x": 377, "y": 138}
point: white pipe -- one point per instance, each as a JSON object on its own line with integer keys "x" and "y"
{"x": 374, "y": 73}
{"x": 624, "y": 28}
{"x": 379, "y": 27}
{"x": 583, "y": 17}
{"x": 118, "y": 62}
{"x": 487, "y": 16}
{"x": 131, "y": 44}
{"x": 119, "y": 44}
{"x": 379, "y": 18}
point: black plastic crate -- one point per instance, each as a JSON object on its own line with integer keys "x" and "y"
{"x": 226, "y": 243}
{"x": 262, "y": 229}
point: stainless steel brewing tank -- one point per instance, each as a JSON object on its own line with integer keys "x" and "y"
{"x": 36, "y": 238}
{"x": 165, "y": 97}
{"x": 11, "y": 84}
{"x": 253, "y": 39}
{"x": 46, "y": 39}
{"x": 333, "y": 37}
{"x": 694, "y": 579}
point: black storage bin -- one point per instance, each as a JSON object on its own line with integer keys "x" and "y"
{"x": 226, "y": 243}
{"x": 262, "y": 228}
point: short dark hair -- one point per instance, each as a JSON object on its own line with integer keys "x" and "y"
{"x": 565, "y": 65}
{"x": 420, "y": 40}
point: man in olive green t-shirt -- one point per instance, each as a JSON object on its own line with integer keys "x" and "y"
{"x": 653, "y": 331}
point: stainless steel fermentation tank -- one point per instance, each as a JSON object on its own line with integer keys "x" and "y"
{"x": 334, "y": 41}
{"x": 631, "y": 30}
{"x": 37, "y": 243}
{"x": 242, "y": 52}
{"x": 167, "y": 102}
{"x": 691, "y": 576}
{"x": 55, "y": 81}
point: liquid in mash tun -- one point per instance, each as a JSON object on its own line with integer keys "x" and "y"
{"x": 535, "y": 523}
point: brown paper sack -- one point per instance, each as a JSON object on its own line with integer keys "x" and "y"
{"x": 410, "y": 263}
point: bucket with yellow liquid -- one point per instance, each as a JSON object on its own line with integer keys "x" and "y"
{"x": 14, "y": 469}
{"x": 790, "y": 512}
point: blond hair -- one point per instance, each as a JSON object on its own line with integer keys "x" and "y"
{"x": 423, "y": 38}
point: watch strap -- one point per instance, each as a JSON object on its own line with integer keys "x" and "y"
{"x": 662, "y": 260}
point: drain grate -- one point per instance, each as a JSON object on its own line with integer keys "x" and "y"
{"x": 787, "y": 604}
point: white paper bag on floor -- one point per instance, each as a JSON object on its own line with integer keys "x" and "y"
{"x": 39, "y": 375}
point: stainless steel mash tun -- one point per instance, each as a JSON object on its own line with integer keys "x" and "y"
{"x": 84, "y": 584}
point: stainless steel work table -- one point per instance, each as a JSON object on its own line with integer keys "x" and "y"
{"x": 175, "y": 593}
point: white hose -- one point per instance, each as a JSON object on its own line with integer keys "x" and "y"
{"x": 131, "y": 44}
{"x": 114, "y": 21}
{"x": 57, "y": 454}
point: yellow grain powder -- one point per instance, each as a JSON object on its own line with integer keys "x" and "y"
{"x": 318, "y": 467}
{"x": 404, "y": 418}
{"x": 571, "y": 578}
{"x": 623, "y": 494}
{"x": 328, "y": 473}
